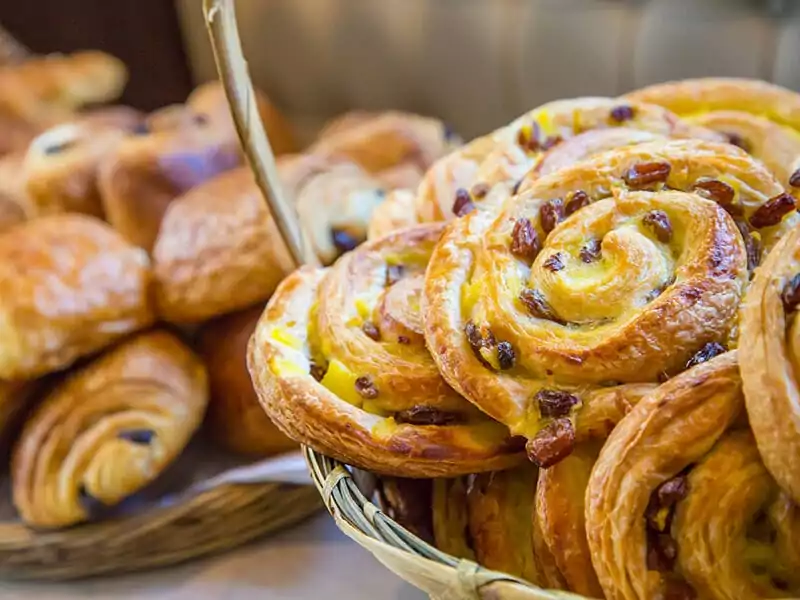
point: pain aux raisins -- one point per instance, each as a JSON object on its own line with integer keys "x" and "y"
{"x": 706, "y": 353}
{"x": 552, "y": 444}
{"x": 658, "y": 222}
{"x": 772, "y": 211}
{"x": 551, "y": 214}
{"x": 463, "y": 203}
{"x": 524, "y": 240}
{"x": 554, "y": 403}
{"x": 644, "y": 174}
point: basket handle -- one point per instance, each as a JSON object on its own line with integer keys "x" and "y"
{"x": 220, "y": 18}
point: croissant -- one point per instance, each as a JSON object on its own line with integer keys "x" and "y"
{"x": 679, "y": 504}
{"x": 178, "y": 150}
{"x": 218, "y": 250}
{"x": 235, "y": 418}
{"x": 339, "y": 363}
{"x": 110, "y": 429}
{"x": 73, "y": 286}
{"x": 761, "y": 118}
{"x": 768, "y": 357}
{"x": 531, "y": 317}
{"x": 556, "y": 134}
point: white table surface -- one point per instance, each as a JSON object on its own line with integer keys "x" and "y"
{"x": 313, "y": 560}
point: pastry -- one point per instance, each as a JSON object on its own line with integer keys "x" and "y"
{"x": 209, "y": 100}
{"x": 107, "y": 431}
{"x": 530, "y": 316}
{"x": 679, "y": 504}
{"x": 177, "y": 150}
{"x": 769, "y": 357}
{"x": 451, "y": 531}
{"x": 489, "y": 168}
{"x": 73, "y": 286}
{"x": 405, "y": 176}
{"x": 396, "y": 212}
{"x": 380, "y": 141}
{"x": 339, "y": 363}
{"x": 334, "y": 198}
{"x": 409, "y": 503}
{"x": 13, "y": 197}
{"x": 61, "y": 164}
{"x": 218, "y": 250}
{"x": 235, "y": 418}
{"x": 761, "y": 118}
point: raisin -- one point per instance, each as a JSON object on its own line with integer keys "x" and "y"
{"x": 394, "y": 273}
{"x": 529, "y": 140}
{"x": 366, "y": 388}
{"x": 591, "y": 251}
{"x": 554, "y": 262}
{"x": 794, "y": 179}
{"x": 402, "y": 339}
{"x": 552, "y": 140}
{"x": 644, "y": 174}
{"x": 577, "y": 201}
{"x": 658, "y": 222}
{"x": 537, "y": 306}
{"x": 738, "y": 141}
{"x": 463, "y": 203}
{"x": 426, "y": 415}
{"x": 622, "y": 113}
{"x": 343, "y": 240}
{"x": 371, "y": 331}
{"x": 720, "y": 192}
{"x": 524, "y": 241}
{"x": 662, "y": 552}
{"x": 791, "y": 294}
{"x": 137, "y": 436}
{"x": 671, "y": 491}
{"x": 506, "y": 357}
{"x": 479, "y": 190}
{"x": 554, "y": 403}
{"x": 773, "y": 211}
{"x": 474, "y": 336}
{"x": 551, "y": 214}
{"x": 317, "y": 371}
{"x": 705, "y": 354}
{"x": 751, "y": 245}
{"x": 552, "y": 444}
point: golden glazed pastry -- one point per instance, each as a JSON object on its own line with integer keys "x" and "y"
{"x": 556, "y": 134}
{"x": 218, "y": 250}
{"x": 61, "y": 165}
{"x": 529, "y": 317}
{"x": 235, "y": 417}
{"x": 110, "y": 429}
{"x": 178, "y": 150}
{"x": 770, "y": 344}
{"x": 339, "y": 363}
{"x": 759, "y": 117}
{"x": 380, "y": 141}
{"x": 72, "y": 286}
{"x": 679, "y": 504}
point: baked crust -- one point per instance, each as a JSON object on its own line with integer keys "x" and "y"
{"x": 108, "y": 430}
{"x": 619, "y": 318}
{"x": 396, "y": 212}
{"x": 73, "y": 286}
{"x": 381, "y": 404}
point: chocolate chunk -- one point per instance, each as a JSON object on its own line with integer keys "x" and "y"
{"x": 366, "y": 388}
{"x": 552, "y": 444}
{"x": 343, "y": 240}
{"x": 794, "y": 179}
{"x": 427, "y": 415}
{"x": 591, "y": 251}
{"x": 137, "y": 436}
{"x": 658, "y": 222}
{"x": 554, "y": 403}
{"x": 317, "y": 371}
{"x": 534, "y": 301}
{"x": 506, "y": 357}
{"x": 479, "y": 190}
{"x": 644, "y": 174}
{"x": 791, "y": 294}
{"x": 737, "y": 140}
{"x": 554, "y": 262}
{"x": 622, "y": 113}
{"x": 752, "y": 245}
{"x": 551, "y": 214}
{"x": 577, "y": 201}
{"x": 772, "y": 212}
{"x": 706, "y": 353}
{"x": 371, "y": 331}
{"x": 463, "y": 203}
{"x": 720, "y": 192}
{"x": 524, "y": 241}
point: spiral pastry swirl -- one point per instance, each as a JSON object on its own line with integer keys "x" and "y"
{"x": 679, "y": 504}
{"x": 108, "y": 430}
{"x": 551, "y": 136}
{"x": 529, "y": 317}
{"x": 339, "y": 362}
{"x": 770, "y": 358}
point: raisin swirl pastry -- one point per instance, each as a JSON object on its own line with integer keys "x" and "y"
{"x": 759, "y": 117}
{"x": 643, "y": 271}
{"x": 339, "y": 363}
{"x": 769, "y": 357}
{"x": 679, "y": 504}
{"x": 108, "y": 430}
{"x": 553, "y": 135}
{"x": 396, "y": 212}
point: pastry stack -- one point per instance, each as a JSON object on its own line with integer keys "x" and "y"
{"x": 136, "y": 255}
{"x": 572, "y": 352}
